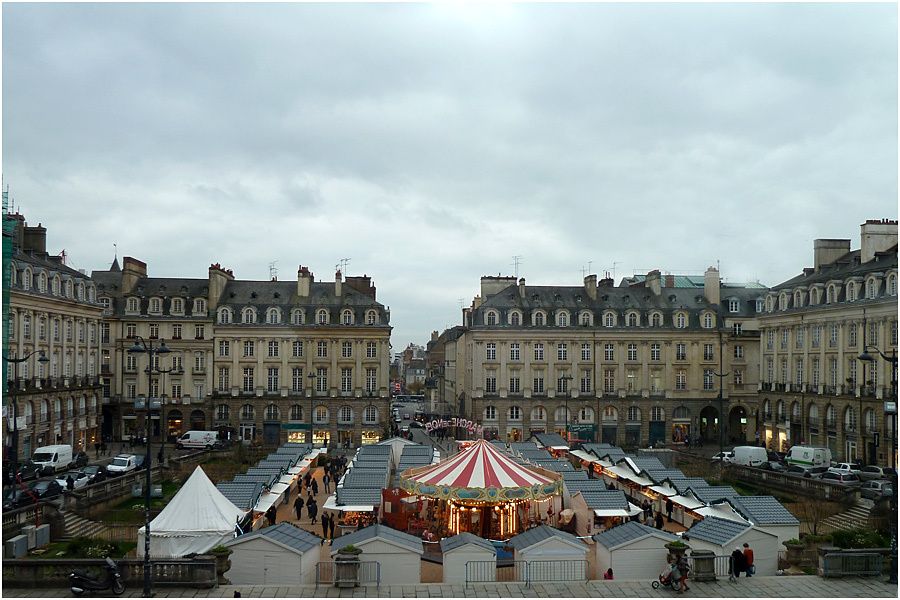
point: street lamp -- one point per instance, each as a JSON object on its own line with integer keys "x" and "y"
{"x": 141, "y": 346}
{"x": 312, "y": 391}
{"x": 42, "y": 358}
{"x": 721, "y": 400}
{"x": 890, "y": 408}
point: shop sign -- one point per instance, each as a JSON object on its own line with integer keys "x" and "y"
{"x": 466, "y": 424}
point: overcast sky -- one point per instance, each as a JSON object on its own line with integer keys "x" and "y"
{"x": 429, "y": 144}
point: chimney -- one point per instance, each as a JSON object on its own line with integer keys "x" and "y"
{"x": 476, "y": 302}
{"x": 361, "y": 284}
{"x": 491, "y": 285}
{"x": 218, "y": 279}
{"x": 19, "y": 233}
{"x": 35, "y": 240}
{"x": 522, "y": 287}
{"x": 876, "y": 236}
{"x": 132, "y": 270}
{"x": 827, "y": 251}
{"x": 606, "y": 282}
{"x": 304, "y": 281}
{"x": 337, "y": 284}
{"x": 711, "y": 285}
{"x": 670, "y": 281}
{"x": 590, "y": 286}
{"x": 434, "y": 336}
{"x": 653, "y": 282}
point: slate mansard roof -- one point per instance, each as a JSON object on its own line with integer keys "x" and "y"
{"x": 846, "y": 266}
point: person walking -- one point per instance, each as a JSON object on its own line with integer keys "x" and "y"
{"x": 298, "y": 507}
{"x": 103, "y": 447}
{"x": 748, "y": 560}
{"x": 310, "y": 501}
{"x": 70, "y": 483}
{"x": 681, "y": 571}
{"x": 315, "y": 487}
{"x": 737, "y": 564}
{"x": 325, "y": 479}
{"x": 326, "y": 519}
{"x": 271, "y": 515}
{"x": 331, "y": 527}
{"x": 647, "y": 509}
{"x": 306, "y": 479}
{"x": 669, "y": 507}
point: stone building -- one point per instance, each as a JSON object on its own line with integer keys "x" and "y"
{"x": 266, "y": 360}
{"x": 52, "y": 309}
{"x": 814, "y": 389}
{"x": 629, "y": 365}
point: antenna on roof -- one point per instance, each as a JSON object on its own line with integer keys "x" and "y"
{"x": 517, "y": 260}
{"x": 273, "y": 271}
{"x": 344, "y": 263}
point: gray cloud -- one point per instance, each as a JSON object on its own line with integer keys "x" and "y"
{"x": 431, "y": 143}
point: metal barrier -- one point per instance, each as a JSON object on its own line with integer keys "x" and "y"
{"x": 852, "y": 564}
{"x": 489, "y": 571}
{"x": 369, "y": 572}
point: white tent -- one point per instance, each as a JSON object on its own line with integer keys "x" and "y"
{"x": 197, "y": 519}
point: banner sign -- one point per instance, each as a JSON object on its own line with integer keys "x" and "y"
{"x": 470, "y": 426}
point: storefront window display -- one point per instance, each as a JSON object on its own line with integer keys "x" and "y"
{"x": 370, "y": 437}
{"x": 681, "y": 432}
{"x": 297, "y": 437}
{"x": 321, "y": 437}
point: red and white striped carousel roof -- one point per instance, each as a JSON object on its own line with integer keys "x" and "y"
{"x": 481, "y": 465}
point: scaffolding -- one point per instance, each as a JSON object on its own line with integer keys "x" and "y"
{"x": 9, "y": 227}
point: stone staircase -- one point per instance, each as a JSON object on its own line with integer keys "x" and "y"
{"x": 856, "y": 516}
{"x": 75, "y": 526}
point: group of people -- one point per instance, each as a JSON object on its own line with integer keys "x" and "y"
{"x": 648, "y": 518}
{"x": 742, "y": 562}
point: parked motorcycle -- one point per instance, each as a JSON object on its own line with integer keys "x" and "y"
{"x": 82, "y": 582}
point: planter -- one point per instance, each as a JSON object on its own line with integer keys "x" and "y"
{"x": 794, "y": 554}
{"x": 346, "y": 568}
{"x": 676, "y": 551}
{"x": 223, "y": 563}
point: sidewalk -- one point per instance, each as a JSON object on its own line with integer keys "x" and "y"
{"x": 760, "y": 587}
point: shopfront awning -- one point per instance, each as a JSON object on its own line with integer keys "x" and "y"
{"x": 663, "y": 490}
{"x": 271, "y": 497}
{"x": 624, "y": 472}
{"x": 330, "y": 504}
{"x": 687, "y": 502}
{"x": 582, "y": 455}
{"x": 287, "y": 479}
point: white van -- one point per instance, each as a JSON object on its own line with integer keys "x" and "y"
{"x": 808, "y": 456}
{"x": 197, "y": 439}
{"x": 749, "y": 456}
{"x": 53, "y": 458}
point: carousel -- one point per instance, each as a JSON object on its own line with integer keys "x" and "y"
{"x": 483, "y": 491}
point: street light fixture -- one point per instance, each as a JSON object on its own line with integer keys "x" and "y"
{"x": 42, "y": 358}
{"x": 141, "y": 346}
{"x": 890, "y": 408}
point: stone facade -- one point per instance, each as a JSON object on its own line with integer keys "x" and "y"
{"x": 631, "y": 365}
{"x": 52, "y": 309}
{"x": 814, "y": 389}
{"x": 247, "y": 350}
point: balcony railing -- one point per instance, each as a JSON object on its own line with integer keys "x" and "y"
{"x": 766, "y": 386}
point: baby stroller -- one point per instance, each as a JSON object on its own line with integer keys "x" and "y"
{"x": 667, "y": 579}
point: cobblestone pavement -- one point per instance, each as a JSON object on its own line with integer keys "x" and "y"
{"x": 760, "y": 587}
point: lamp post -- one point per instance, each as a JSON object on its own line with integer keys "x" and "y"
{"x": 141, "y": 346}
{"x": 312, "y": 391}
{"x": 566, "y": 379}
{"x": 719, "y": 396}
{"x": 890, "y": 408}
{"x": 42, "y": 358}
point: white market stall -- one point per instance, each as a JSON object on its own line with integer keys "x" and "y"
{"x": 279, "y": 555}
{"x": 398, "y": 554}
{"x": 633, "y": 551}
{"x": 546, "y": 550}
{"x": 462, "y": 548}
{"x": 198, "y": 518}
{"x": 723, "y": 537}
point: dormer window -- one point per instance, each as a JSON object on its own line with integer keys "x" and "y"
{"x": 680, "y": 320}
{"x": 297, "y": 317}
{"x": 609, "y": 319}
{"x": 734, "y": 305}
{"x": 656, "y": 320}
{"x": 347, "y": 317}
{"x": 892, "y": 285}
{"x": 491, "y": 318}
{"x": 798, "y": 299}
{"x": 199, "y": 306}
{"x": 42, "y": 283}
{"x": 585, "y": 318}
{"x": 224, "y": 316}
{"x": 371, "y": 317}
{"x": 132, "y": 305}
{"x": 759, "y": 305}
{"x": 538, "y": 319}
{"x": 177, "y": 306}
{"x": 871, "y": 289}
{"x": 273, "y": 316}
{"x": 851, "y": 292}
{"x": 562, "y": 319}
{"x": 515, "y": 318}
{"x": 633, "y": 319}
{"x": 26, "y": 279}
{"x": 248, "y": 315}
{"x": 707, "y": 320}
{"x": 322, "y": 316}
{"x": 155, "y": 306}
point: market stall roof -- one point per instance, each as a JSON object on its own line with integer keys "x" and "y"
{"x": 689, "y": 502}
{"x": 358, "y": 496}
{"x": 722, "y": 510}
{"x": 712, "y": 493}
{"x": 585, "y": 456}
{"x": 331, "y": 504}
{"x": 242, "y": 494}
{"x": 626, "y": 473}
{"x": 763, "y": 510}
{"x": 271, "y": 497}
{"x": 551, "y": 440}
{"x": 481, "y": 472}
{"x": 664, "y": 490}
{"x": 574, "y": 476}
{"x": 630, "y": 532}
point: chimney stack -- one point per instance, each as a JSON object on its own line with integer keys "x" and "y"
{"x": 590, "y": 286}
{"x": 337, "y": 283}
{"x": 132, "y": 270}
{"x": 522, "y": 287}
{"x": 827, "y": 251}
{"x": 711, "y": 285}
{"x": 304, "y": 281}
{"x": 218, "y": 279}
{"x": 35, "y": 240}
{"x": 876, "y": 236}
{"x": 653, "y": 282}
{"x": 670, "y": 281}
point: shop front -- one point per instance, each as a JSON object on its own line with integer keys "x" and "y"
{"x": 174, "y": 420}
{"x": 297, "y": 433}
{"x": 632, "y": 436}
{"x": 513, "y": 434}
{"x": 345, "y": 438}
{"x": 681, "y": 431}
{"x": 580, "y": 433}
{"x": 370, "y": 436}
{"x": 321, "y": 437}
{"x": 609, "y": 434}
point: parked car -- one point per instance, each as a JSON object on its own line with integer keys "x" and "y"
{"x": 80, "y": 460}
{"x": 876, "y": 488}
{"x": 771, "y": 465}
{"x": 416, "y": 425}
{"x": 95, "y": 473}
{"x": 870, "y": 472}
{"x": 847, "y": 479}
{"x": 804, "y": 471}
{"x": 46, "y": 489}
{"x": 121, "y": 464}
{"x": 27, "y": 471}
{"x": 17, "y": 498}
{"x": 726, "y": 456}
{"x": 844, "y": 469}
{"x": 777, "y": 456}
{"x": 80, "y": 479}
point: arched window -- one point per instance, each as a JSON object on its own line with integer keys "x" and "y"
{"x": 561, "y": 415}
{"x": 779, "y": 410}
{"x": 491, "y": 318}
{"x": 892, "y": 285}
{"x": 609, "y": 319}
{"x": 707, "y": 321}
{"x": 29, "y": 413}
{"x": 296, "y": 412}
{"x": 45, "y": 411}
{"x": 57, "y": 409}
{"x": 26, "y": 279}
{"x": 585, "y": 318}
{"x": 586, "y": 415}
{"x": 610, "y": 413}
{"x": 795, "y": 412}
{"x": 538, "y": 413}
{"x": 371, "y": 317}
{"x": 515, "y": 318}
{"x": 562, "y": 319}
{"x": 320, "y": 416}
{"x": 26, "y": 326}
{"x": 830, "y": 415}
{"x": 657, "y": 413}
{"x": 322, "y": 316}
{"x": 345, "y": 415}
{"x": 224, "y": 315}
{"x": 248, "y": 315}
{"x": 42, "y": 283}
{"x": 347, "y": 317}
{"x": 656, "y": 320}
{"x": 538, "y": 319}
{"x": 634, "y": 413}
{"x": 271, "y": 413}
{"x": 370, "y": 415}
{"x": 297, "y": 317}
{"x": 54, "y": 286}
{"x": 680, "y": 320}
{"x": 82, "y": 405}
{"x": 869, "y": 420}
{"x": 813, "y": 414}
{"x": 632, "y": 319}
{"x": 273, "y": 316}
{"x": 851, "y": 292}
{"x": 850, "y": 418}
{"x": 681, "y": 412}
{"x": 247, "y": 412}
{"x": 515, "y": 413}
{"x": 490, "y": 413}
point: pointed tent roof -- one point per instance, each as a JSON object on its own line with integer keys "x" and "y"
{"x": 482, "y": 472}
{"x": 198, "y": 507}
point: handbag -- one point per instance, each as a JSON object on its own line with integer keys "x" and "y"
{"x": 753, "y": 569}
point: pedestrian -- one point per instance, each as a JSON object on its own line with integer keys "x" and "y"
{"x": 659, "y": 520}
{"x": 325, "y": 521}
{"x": 70, "y": 483}
{"x": 298, "y": 507}
{"x": 96, "y": 449}
{"x": 681, "y": 570}
{"x": 737, "y": 564}
{"x": 306, "y": 479}
{"x": 669, "y": 507}
{"x": 271, "y": 515}
{"x": 325, "y": 480}
{"x": 309, "y": 508}
{"x": 315, "y": 487}
{"x": 608, "y": 575}
{"x": 648, "y": 510}
{"x": 749, "y": 567}
{"x": 159, "y": 456}
{"x": 313, "y": 511}
{"x": 103, "y": 448}
{"x": 331, "y": 527}
{"x": 131, "y": 442}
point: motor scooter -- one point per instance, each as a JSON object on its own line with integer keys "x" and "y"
{"x": 82, "y": 582}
